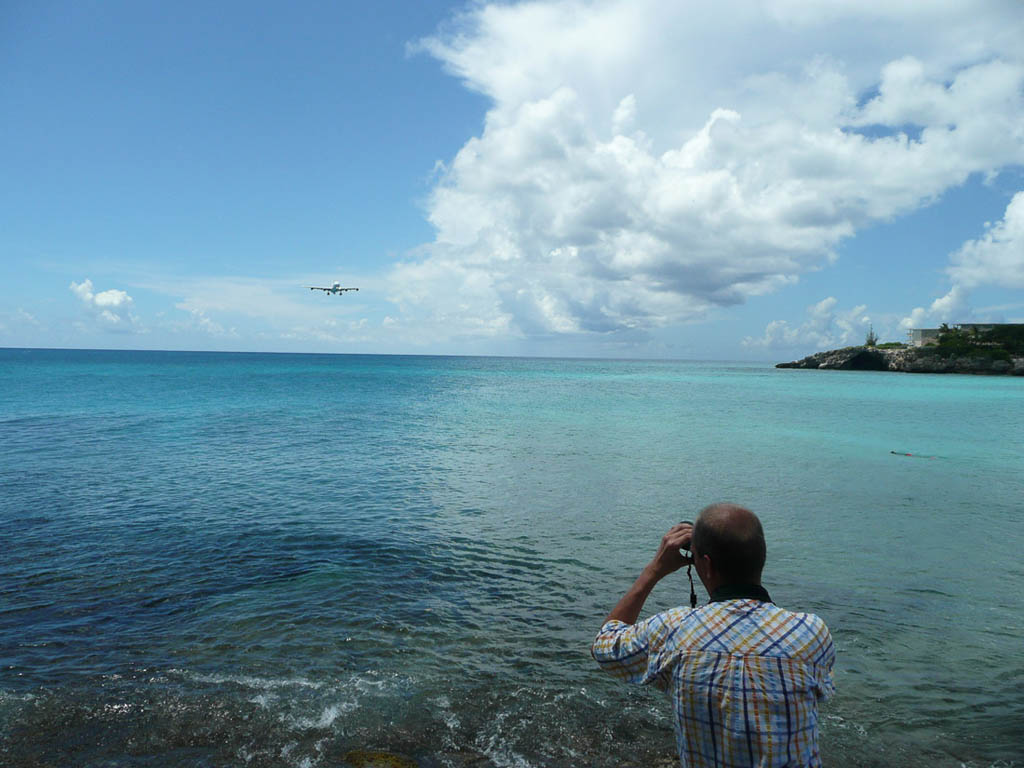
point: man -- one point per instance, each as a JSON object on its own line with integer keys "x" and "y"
{"x": 745, "y": 675}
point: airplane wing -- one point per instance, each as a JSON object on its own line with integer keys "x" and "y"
{"x": 318, "y": 288}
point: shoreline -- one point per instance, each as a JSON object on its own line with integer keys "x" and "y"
{"x": 908, "y": 360}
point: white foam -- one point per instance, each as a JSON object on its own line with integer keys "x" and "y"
{"x": 264, "y": 700}
{"x": 444, "y": 707}
{"x": 841, "y": 722}
{"x": 500, "y": 753}
{"x": 118, "y": 709}
{"x": 9, "y": 696}
{"x": 249, "y": 681}
{"x": 325, "y": 719}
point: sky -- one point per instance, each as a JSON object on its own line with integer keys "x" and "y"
{"x": 626, "y": 178}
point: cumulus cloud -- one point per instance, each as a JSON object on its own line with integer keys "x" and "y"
{"x": 994, "y": 259}
{"x": 824, "y": 328}
{"x": 642, "y": 163}
{"x": 110, "y": 309}
{"x": 946, "y": 309}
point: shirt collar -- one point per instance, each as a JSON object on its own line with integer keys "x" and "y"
{"x": 740, "y": 592}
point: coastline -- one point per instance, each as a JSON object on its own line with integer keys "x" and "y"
{"x": 908, "y": 360}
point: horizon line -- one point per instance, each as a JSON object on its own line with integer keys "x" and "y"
{"x": 386, "y": 354}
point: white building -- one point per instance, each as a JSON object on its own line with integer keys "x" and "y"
{"x": 918, "y": 337}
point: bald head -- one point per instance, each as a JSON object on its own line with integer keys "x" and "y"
{"x": 734, "y": 540}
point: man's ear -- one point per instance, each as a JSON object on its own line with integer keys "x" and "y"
{"x": 705, "y": 566}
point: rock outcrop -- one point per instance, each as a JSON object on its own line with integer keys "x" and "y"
{"x": 909, "y": 360}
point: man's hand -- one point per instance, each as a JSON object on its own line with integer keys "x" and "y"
{"x": 668, "y": 560}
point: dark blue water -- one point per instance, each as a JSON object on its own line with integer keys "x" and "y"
{"x": 228, "y": 559}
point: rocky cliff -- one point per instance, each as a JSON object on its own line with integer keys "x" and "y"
{"x": 910, "y": 360}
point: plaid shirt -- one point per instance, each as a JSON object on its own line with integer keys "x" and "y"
{"x": 745, "y": 678}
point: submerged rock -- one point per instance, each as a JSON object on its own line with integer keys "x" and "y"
{"x": 368, "y": 758}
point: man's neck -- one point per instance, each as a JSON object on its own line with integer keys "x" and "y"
{"x": 742, "y": 591}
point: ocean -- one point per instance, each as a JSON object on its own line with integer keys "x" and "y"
{"x": 215, "y": 559}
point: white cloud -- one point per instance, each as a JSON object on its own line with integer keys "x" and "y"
{"x": 624, "y": 115}
{"x": 994, "y": 259}
{"x": 279, "y": 301}
{"x": 27, "y": 318}
{"x": 109, "y": 309}
{"x": 644, "y": 162}
{"x": 333, "y": 331}
{"x": 824, "y": 328}
{"x": 950, "y": 308}
{"x": 199, "y": 321}
{"x": 283, "y": 308}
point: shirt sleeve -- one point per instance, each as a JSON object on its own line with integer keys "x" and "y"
{"x": 824, "y": 664}
{"x": 633, "y": 652}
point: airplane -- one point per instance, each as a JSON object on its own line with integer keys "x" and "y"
{"x": 335, "y": 288}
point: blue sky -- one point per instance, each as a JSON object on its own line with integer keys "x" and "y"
{"x": 549, "y": 178}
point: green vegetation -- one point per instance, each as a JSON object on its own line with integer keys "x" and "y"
{"x": 1009, "y": 337}
{"x": 1000, "y": 343}
{"x": 891, "y": 345}
{"x": 872, "y": 338}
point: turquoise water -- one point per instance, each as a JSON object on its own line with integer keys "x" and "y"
{"x": 271, "y": 560}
